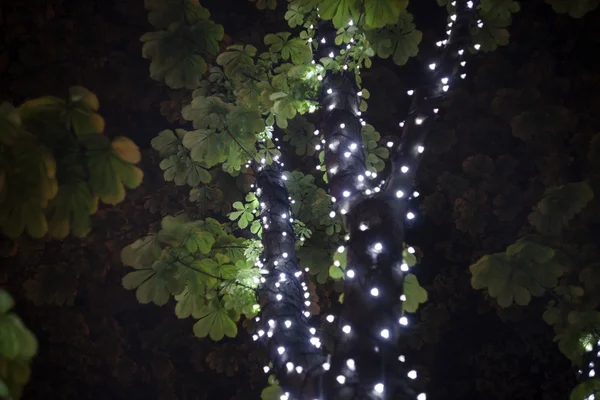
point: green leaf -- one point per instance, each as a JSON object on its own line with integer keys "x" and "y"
{"x": 341, "y": 12}
{"x": 167, "y": 143}
{"x": 273, "y": 392}
{"x": 111, "y": 168}
{"x": 296, "y": 48}
{"x": 162, "y": 13}
{"x": 17, "y": 342}
{"x": 155, "y": 284}
{"x": 214, "y": 321}
{"x": 294, "y": 16}
{"x": 142, "y": 253}
{"x": 238, "y": 60}
{"x": 414, "y": 292}
{"x": 560, "y": 205}
{"x": 207, "y": 146}
{"x": 575, "y": 8}
{"x": 400, "y": 41}
{"x": 199, "y": 240}
{"x": 176, "y": 54}
{"x": 379, "y": 13}
{"x": 6, "y": 302}
{"x": 71, "y": 209}
{"x": 188, "y": 303}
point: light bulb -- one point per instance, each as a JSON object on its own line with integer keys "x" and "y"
{"x": 288, "y": 323}
{"x": 412, "y": 374}
{"x": 403, "y": 297}
{"x": 289, "y": 366}
{"x": 410, "y": 215}
{"x": 404, "y": 267}
{"x": 403, "y": 321}
{"x": 410, "y": 92}
{"x": 363, "y": 227}
{"x": 329, "y": 91}
{"x": 411, "y": 250}
{"x": 402, "y": 359}
{"x": 326, "y": 366}
{"x": 279, "y": 297}
{"x": 323, "y": 40}
{"x": 404, "y": 169}
{"x": 422, "y": 396}
{"x": 281, "y": 349}
{"x": 399, "y": 194}
{"x": 340, "y": 249}
{"x": 379, "y": 388}
{"x": 415, "y": 194}
{"x": 390, "y": 144}
{"x": 351, "y": 364}
{"x": 374, "y": 292}
{"x": 346, "y": 329}
{"x": 341, "y": 379}
{"x": 346, "y": 193}
{"x": 332, "y": 214}
{"x": 330, "y": 318}
{"x": 350, "y": 273}
{"x": 299, "y": 369}
{"x": 420, "y": 149}
{"x": 385, "y": 333}
{"x": 432, "y": 66}
{"x": 266, "y": 369}
{"x": 342, "y": 125}
{"x": 418, "y": 121}
{"x": 378, "y": 246}
{"x": 331, "y": 54}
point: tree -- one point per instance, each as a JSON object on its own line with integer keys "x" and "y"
{"x": 176, "y": 235}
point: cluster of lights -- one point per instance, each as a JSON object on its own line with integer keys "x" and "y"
{"x": 358, "y": 186}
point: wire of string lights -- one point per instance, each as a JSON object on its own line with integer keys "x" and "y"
{"x": 366, "y": 362}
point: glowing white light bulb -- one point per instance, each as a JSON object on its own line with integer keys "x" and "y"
{"x": 331, "y": 54}
{"x": 374, "y": 292}
{"x": 346, "y": 193}
{"x": 347, "y": 154}
{"x": 404, "y": 267}
{"x": 342, "y": 125}
{"x": 463, "y": 76}
{"x": 415, "y": 194}
{"x": 285, "y": 255}
{"x": 445, "y": 88}
{"x": 346, "y": 329}
{"x": 309, "y": 40}
{"x": 378, "y": 246}
{"x": 353, "y": 146}
{"x": 281, "y": 349}
{"x": 477, "y": 46}
{"x": 288, "y": 323}
{"x": 402, "y": 359}
{"x": 266, "y": 369}
{"x": 284, "y": 234}
{"x": 432, "y": 66}
{"x": 341, "y": 379}
{"x": 444, "y": 80}
{"x": 461, "y": 52}
{"x": 410, "y": 215}
{"x": 385, "y": 333}
{"x": 330, "y": 318}
{"x": 592, "y": 373}
{"x": 420, "y": 149}
{"x": 410, "y": 92}
{"x": 403, "y": 321}
{"x": 323, "y": 40}
{"x": 418, "y": 121}
{"x": 363, "y": 227}
{"x": 404, "y": 169}
{"x": 378, "y": 388}
{"x": 351, "y": 23}
{"x": 403, "y": 297}
{"x": 399, "y": 194}
{"x": 318, "y": 147}
{"x": 299, "y": 369}
{"x": 463, "y": 63}
{"x": 412, "y": 374}
{"x": 332, "y": 214}
{"x": 326, "y": 366}
{"x": 350, "y": 273}
{"x": 329, "y": 91}
{"x": 390, "y": 144}
{"x": 340, "y": 249}
{"x": 360, "y": 178}
{"x": 423, "y": 396}
{"x": 411, "y": 250}
{"x": 279, "y": 297}
{"x": 289, "y": 366}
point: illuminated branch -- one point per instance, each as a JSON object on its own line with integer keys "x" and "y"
{"x": 446, "y": 72}
{"x": 293, "y": 348}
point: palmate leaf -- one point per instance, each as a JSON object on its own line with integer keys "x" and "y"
{"x": 207, "y": 146}
{"x": 560, "y": 205}
{"x": 70, "y": 210}
{"x": 401, "y": 41}
{"x": 111, "y": 167}
{"x": 17, "y": 342}
{"x": 176, "y": 53}
{"x": 14, "y": 375}
{"x": 77, "y": 114}
{"x": 526, "y": 269}
{"x": 156, "y": 284}
{"x": 206, "y": 112}
{"x": 374, "y": 154}
{"x": 238, "y": 60}
{"x": 414, "y": 292}
{"x": 162, "y": 13}
{"x": 341, "y": 12}
{"x": 502, "y": 9}
{"x": 575, "y": 8}
{"x": 142, "y": 253}
{"x": 214, "y": 321}
{"x": 188, "y": 304}
{"x": 182, "y": 170}
{"x": 167, "y": 142}
{"x": 295, "y": 49}
{"x": 379, "y": 13}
